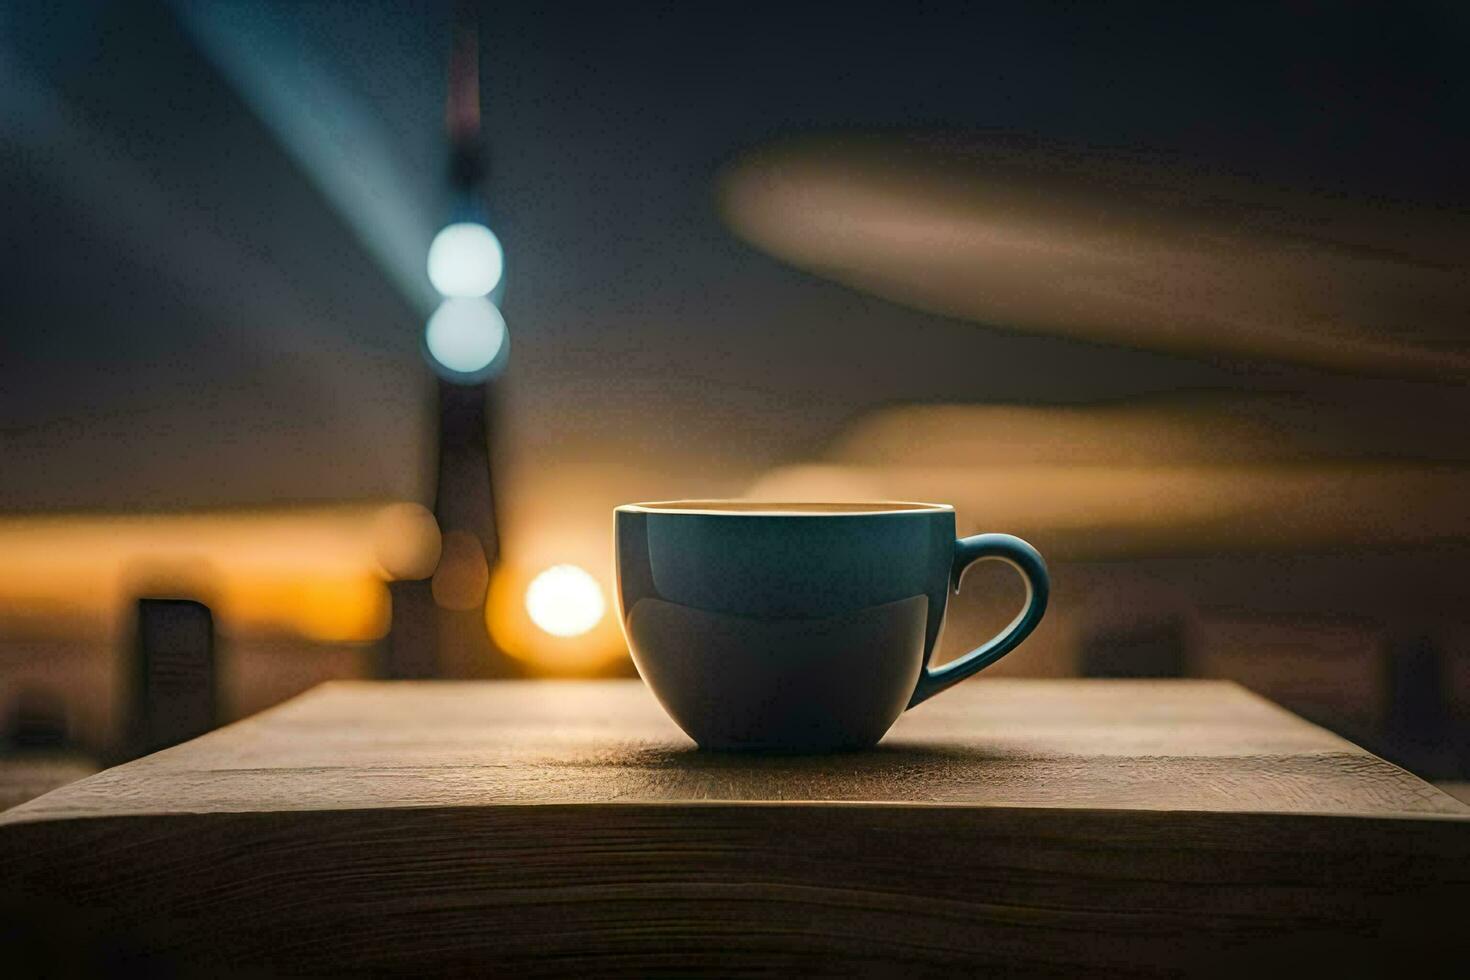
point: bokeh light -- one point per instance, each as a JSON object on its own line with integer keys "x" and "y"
{"x": 464, "y": 337}
{"x": 465, "y": 260}
{"x": 564, "y": 600}
{"x": 463, "y": 574}
{"x": 406, "y": 541}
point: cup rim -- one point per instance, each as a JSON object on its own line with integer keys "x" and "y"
{"x": 735, "y": 507}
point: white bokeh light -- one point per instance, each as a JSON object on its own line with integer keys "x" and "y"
{"x": 465, "y": 334}
{"x": 565, "y": 600}
{"x": 465, "y": 259}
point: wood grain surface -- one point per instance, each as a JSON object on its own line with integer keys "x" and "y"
{"x": 1038, "y": 826}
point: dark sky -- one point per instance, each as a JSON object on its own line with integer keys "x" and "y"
{"x": 189, "y": 319}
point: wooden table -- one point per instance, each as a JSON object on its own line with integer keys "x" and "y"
{"x": 1036, "y": 826}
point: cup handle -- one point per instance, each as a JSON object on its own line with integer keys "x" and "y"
{"x": 1024, "y": 559}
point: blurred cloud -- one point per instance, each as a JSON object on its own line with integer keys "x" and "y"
{"x": 1115, "y": 247}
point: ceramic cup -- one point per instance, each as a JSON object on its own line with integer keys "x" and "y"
{"x": 801, "y": 627}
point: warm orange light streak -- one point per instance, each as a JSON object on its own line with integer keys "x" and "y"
{"x": 1099, "y": 510}
{"x": 317, "y": 572}
{"x": 1237, "y": 427}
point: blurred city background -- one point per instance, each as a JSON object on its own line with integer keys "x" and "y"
{"x": 1181, "y": 296}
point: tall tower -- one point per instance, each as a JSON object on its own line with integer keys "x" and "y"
{"x": 439, "y": 627}
{"x": 464, "y": 505}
